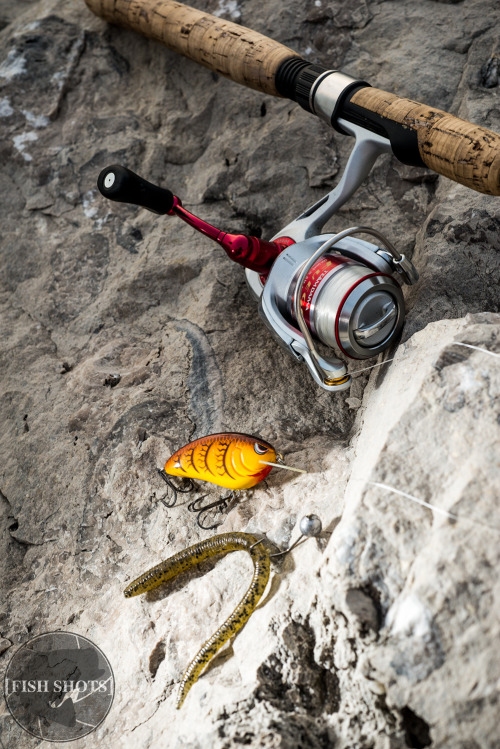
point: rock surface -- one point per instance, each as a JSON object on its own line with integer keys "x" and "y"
{"x": 125, "y": 335}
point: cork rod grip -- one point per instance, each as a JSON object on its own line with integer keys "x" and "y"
{"x": 455, "y": 148}
{"x": 226, "y": 48}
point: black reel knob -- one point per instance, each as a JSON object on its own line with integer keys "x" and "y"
{"x": 124, "y": 186}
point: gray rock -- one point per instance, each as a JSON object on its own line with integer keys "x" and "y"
{"x": 125, "y": 335}
{"x": 362, "y": 607}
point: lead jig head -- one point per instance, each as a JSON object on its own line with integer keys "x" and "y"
{"x": 310, "y": 527}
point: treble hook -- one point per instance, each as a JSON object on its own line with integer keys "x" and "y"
{"x": 221, "y": 503}
{"x": 191, "y": 486}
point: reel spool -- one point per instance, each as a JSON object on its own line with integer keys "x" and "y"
{"x": 345, "y": 305}
{"x": 339, "y": 290}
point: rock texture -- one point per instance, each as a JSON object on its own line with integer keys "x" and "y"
{"x": 126, "y": 335}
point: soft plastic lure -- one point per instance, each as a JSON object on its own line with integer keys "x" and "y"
{"x": 193, "y": 556}
{"x": 234, "y": 461}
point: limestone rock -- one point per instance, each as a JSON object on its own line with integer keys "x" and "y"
{"x": 125, "y": 335}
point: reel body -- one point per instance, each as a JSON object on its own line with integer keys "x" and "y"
{"x": 353, "y": 305}
{"x": 336, "y": 289}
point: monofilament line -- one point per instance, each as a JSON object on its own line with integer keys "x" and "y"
{"x": 282, "y": 465}
{"x": 437, "y": 510}
{"x": 365, "y": 369}
{"x": 454, "y": 343}
{"x": 477, "y": 348}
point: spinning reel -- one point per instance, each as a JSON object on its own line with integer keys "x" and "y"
{"x": 337, "y": 289}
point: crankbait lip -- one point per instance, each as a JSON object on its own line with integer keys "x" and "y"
{"x": 282, "y": 465}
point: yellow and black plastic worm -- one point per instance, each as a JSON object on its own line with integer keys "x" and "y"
{"x": 193, "y": 556}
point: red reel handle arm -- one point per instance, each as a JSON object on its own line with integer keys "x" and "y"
{"x": 124, "y": 186}
{"x": 250, "y": 252}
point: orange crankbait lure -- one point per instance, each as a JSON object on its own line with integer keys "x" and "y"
{"x": 229, "y": 459}
{"x": 234, "y": 461}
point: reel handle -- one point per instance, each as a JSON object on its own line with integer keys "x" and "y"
{"x": 124, "y": 186}
{"x": 118, "y": 183}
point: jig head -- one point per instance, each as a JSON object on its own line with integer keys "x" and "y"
{"x": 310, "y": 527}
{"x": 229, "y": 459}
{"x": 195, "y": 555}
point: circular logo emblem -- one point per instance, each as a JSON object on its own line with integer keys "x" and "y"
{"x": 59, "y": 686}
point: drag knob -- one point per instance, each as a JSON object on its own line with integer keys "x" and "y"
{"x": 375, "y": 319}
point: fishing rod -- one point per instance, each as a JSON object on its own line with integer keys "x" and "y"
{"x": 338, "y": 289}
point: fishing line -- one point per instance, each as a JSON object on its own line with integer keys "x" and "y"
{"x": 435, "y": 509}
{"x": 453, "y": 343}
{"x": 282, "y": 465}
{"x": 365, "y": 369}
{"x": 477, "y": 348}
